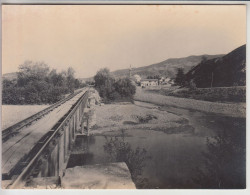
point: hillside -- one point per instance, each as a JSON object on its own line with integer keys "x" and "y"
{"x": 166, "y": 68}
{"x": 10, "y": 76}
{"x": 225, "y": 71}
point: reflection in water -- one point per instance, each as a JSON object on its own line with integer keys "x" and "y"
{"x": 119, "y": 150}
{"x": 216, "y": 147}
{"x": 224, "y": 160}
{"x": 80, "y": 159}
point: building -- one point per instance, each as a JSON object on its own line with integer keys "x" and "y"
{"x": 164, "y": 81}
{"x": 136, "y": 78}
{"x": 149, "y": 82}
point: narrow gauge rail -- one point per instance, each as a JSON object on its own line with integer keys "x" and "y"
{"x": 14, "y": 129}
{"x": 31, "y": 163}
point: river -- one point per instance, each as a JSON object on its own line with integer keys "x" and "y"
{"x": 211, "y": 156}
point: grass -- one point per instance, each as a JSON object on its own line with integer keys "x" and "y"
{"x": 218, "y": 94}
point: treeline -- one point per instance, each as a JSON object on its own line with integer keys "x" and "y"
{"x": 37, "y": 84}
{"x": 113, "y": 90}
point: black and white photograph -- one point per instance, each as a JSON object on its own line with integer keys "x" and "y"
{"x": 123, "y": 96}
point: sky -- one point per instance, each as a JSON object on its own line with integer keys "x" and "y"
{"x": 90, "y": 37}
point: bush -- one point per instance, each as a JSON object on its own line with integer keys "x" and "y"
{"x": 113, "y": 90}
{"x": 36, "y": 84}
{"x": 119, "y": 150}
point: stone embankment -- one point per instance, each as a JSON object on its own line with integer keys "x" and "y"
{"x": 100, "y": 176}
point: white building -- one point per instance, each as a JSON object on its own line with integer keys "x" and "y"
{"x": 149, "y": 82}
{"x": 137, "y": 78}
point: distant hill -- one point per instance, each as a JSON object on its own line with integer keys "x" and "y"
{"x": 225, "y": 71}
{"x": 166, "y": 68}
{"x": 10, "y": 76}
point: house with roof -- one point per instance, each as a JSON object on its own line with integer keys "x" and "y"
{"x": 149, "y": 82}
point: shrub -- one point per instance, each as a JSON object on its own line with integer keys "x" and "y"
{"x": 36, "y": 84}
{"x": 113, "y": 90}
{"x": 119, "y": 150}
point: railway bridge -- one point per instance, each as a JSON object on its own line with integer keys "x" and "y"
{"x": 40, "y": 145}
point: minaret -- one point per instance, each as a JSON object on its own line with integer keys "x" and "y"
{"x": 130, "y": 69}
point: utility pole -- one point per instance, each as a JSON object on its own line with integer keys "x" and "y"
{"x": 212, "y": 79}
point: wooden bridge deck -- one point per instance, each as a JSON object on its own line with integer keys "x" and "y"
{"x": 18, "y": 146}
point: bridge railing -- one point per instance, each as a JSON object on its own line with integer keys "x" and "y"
{"x": 12, "y": 130}
{"x": 49, "y": 156}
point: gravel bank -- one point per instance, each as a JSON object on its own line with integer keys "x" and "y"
{"x": 234, "y": 109}
{"x": 116, "y": 117}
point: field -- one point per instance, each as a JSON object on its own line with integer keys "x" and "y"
{"x": 12, "y": 114}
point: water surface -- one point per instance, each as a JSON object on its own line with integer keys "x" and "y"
{"x": 216, "y": 147}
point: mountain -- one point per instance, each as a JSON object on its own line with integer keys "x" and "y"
{"x": 166, "y": 68}
{"x": 225, "y": 71}
{"x": 10, "y": 76}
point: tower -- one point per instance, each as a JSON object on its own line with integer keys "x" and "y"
{"x": 130, "y": 69}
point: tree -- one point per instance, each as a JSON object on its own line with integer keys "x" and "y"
{"x": 71, "y": 79}
{"x": 180, "y": 77}
{"x": 125, "y": 88}
{"x": 104, "y": 84}
{"x": 31, "y": 71}
{"x": 36, "y": 84}
{"x": 110, "y": 89}
{"x": 8, "y": 83}
{"x": 102, "y": 76}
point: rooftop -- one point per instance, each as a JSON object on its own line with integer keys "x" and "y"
{"x": 149, "y": 80}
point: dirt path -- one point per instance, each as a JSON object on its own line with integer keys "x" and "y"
{"x": 234, "y": 109}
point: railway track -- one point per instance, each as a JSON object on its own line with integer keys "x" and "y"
{"x": 14, "y": 129}
{"x": 27, "y": 165}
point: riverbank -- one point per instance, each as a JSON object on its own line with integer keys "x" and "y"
{"x": 120, "y": 116}
{"x": 175, "y": 140}
{"x": 236, "y": 94}
{"x": 229, "y": 109}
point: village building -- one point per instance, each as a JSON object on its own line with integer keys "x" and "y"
{"x": 149, "y": 82}
{"x": 136, "y": 78}
{"x": 164, "y": 81}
